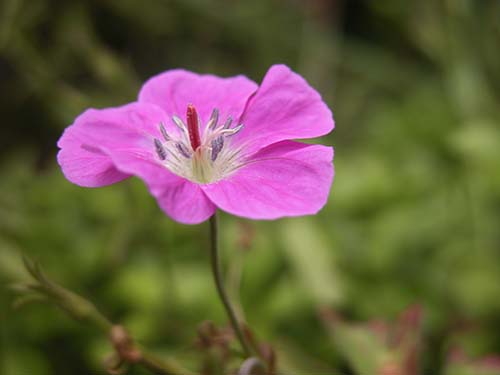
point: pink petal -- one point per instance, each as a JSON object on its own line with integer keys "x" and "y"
{"x": 184, "y": 202}
{"x": 180, "y": 199}
{"x": 285, "y": 179}
{"x": 175, "y": 89}
{"x": 82, "y": 161}
{"x": 284, "y": 107}
{"x": 121, "y": 140}
{"x": 85, "y": 167}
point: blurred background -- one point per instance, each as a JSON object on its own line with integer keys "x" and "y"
{"x": 399, "y": 272}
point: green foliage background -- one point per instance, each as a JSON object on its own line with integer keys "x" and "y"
{"x": 413, "y": 216}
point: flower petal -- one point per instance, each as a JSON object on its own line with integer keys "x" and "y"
{"x": 179, "y": 198}
{"x": 80, "y": 157}
{"x": 122, "y": 140}
{"x": 173, "y": 90}
{"x": 184, "y": 202}
{"x": 285, "y": 179}
{"x": 284, "y": 107}
{"x": 85, "y": 166}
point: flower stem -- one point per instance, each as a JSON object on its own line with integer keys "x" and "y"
{"x": 216, "y": 270}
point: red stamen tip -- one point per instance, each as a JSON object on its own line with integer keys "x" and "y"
{"x": 192, "y": 125}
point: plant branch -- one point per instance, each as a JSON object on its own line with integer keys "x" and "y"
{"x": 127, "y": 352}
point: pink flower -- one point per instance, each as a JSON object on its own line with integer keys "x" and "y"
{"x": 201, "y": 142}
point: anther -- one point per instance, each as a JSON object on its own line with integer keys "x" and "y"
{"x": 183, "y": 150}
{"x": 214, "y": 119}
{"x": 162, "y": 154}
{"x": 193, "y": 128}
{"x": 180, "y": 124}
{"x": 217, "y": 145}
{"x": 164, "y": 132}
{"x": 228, "y": 122}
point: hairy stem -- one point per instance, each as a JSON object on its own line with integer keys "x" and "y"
{"x": 216, "y": 270}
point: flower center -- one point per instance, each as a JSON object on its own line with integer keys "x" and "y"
{"x": 201, "y": 159}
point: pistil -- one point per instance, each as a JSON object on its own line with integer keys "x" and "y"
{"x": 193, "y": 127}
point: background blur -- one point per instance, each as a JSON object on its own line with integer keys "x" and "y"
{"x": 413, "y": 220}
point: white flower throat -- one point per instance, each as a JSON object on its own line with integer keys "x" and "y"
{"x": 204, "y": 159}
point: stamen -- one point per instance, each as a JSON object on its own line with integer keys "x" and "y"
{"x": 217, "y": 145}
{"x": 193, "y": 128}
{"x": 199, "y": 157}
{"x": 183, "y": 149}
{"x": 233, "y": 131}
{"x": 164, "y": 132}
{"x": 162, "y": 154}
{"x": 214, "y": 119}
{"x": 180, "y": 124}
{"x": 228, "y": 122}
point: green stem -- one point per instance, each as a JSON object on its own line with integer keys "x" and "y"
{"x": 216, "y": 270}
